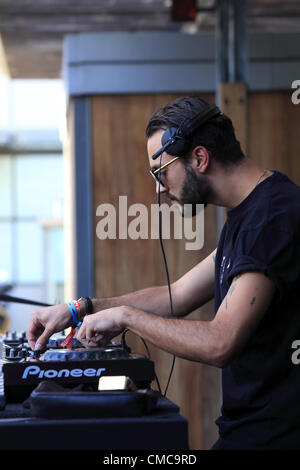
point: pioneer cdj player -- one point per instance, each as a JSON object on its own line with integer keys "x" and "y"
{"x": 23, "y": 369}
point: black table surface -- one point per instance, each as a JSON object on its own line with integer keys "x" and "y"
{"x": 162, "y": 429}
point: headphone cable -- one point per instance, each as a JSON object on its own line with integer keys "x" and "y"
{"x": 167, "y": 274}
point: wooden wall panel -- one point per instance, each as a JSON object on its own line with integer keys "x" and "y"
{"x": 234, "y": 103}
{"x": 274, "y": 132}
{"x": 121, "y": 167}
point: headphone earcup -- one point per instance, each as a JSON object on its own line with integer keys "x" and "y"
{"x": 180, "y": 145}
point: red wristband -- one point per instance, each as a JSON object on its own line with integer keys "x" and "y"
{"x": 77, "y": 306}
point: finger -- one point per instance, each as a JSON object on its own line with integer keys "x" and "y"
{"x": 42, "y": 341}
{"x": 89, "y": 344}
{"x": 31, "y": 338}
{"x": 33, "y": 331}
{"x": 81, "y": 333}
{"x": 88, "y": 329}
{"x": 103, "y": 342}
{"x": 90, "y": 341}
{"x": 97, "y": 337}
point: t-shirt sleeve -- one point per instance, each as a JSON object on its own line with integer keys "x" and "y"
{"x": 271, "y": 251}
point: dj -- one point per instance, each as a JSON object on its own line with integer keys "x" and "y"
{"x": 253, "y": 275}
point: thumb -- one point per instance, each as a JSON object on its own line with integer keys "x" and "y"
{"x": 42, "y": 341}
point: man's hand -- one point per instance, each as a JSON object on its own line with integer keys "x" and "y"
{"x": 100, "y": 327}
{"x": 46, "y": 321}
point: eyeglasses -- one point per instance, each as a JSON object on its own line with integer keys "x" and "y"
{"x": 157, "y": 172}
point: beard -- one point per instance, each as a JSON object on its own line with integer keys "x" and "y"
{"x": 195, "y": 191}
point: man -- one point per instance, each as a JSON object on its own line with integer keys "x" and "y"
{"x": 254, "y": 275}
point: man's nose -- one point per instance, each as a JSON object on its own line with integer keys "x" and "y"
{"x": 161, "y": 188}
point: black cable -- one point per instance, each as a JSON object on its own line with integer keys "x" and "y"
{"x": 148, "y": 354}
{"x": 167, "y": 273}
{"x": 10, "y": 298}
{"x": 170, "y": 295}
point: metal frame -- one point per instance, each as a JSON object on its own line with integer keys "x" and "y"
{"x": 83, "y": 198}
{"x": 232, "y": 53}
{"x": 231, "y": 41}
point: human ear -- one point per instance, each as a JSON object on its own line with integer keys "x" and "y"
{"x": 200, "y": 159}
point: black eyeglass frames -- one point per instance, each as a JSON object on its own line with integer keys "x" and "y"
{"x": 157, "y": 172}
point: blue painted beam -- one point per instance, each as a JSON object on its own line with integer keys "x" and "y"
{"x": 122, "y": 63}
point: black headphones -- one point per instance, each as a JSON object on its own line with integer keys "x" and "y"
{"x": 174, "y": 139}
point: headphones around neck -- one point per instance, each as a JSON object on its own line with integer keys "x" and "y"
{"x": 174, "y": 139}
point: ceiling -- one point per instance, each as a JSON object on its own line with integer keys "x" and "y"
{"x": 32, "y": 30}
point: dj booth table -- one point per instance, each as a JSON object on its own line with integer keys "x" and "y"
{"x": 162, "y": 429}
{"x": 52, "y": 401}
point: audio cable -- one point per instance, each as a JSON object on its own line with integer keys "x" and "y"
{"x": 167, "y": 272}
{"x": 169, "y": 291}
{"x": 124, "y": 345}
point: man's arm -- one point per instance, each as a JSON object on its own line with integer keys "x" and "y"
{"x": 191, "y": 291}
{"x": 214, "y": 342}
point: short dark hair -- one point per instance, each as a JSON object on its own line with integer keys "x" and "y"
{"x": 216, "y": 135}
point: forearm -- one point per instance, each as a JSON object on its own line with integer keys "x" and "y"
{"x": 154, "y": 300}
{"x": 194, "y": 340}
{"x": 216, "y": 342}
{"x": 191, "y": 291}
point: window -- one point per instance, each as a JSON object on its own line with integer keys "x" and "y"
{"x": 31, "y": 194}
{"x": 31, "y": 227}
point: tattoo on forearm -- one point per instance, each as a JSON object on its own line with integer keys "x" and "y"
{"x": 232, "y": 287}
{"x": 233, "y": 284}
{"x": 253, "y": 301}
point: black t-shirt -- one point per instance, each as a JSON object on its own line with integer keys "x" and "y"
{"x": 261, "y": 386}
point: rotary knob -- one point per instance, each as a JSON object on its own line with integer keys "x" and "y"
{"x": 15, "y": 353}
{"x": 115, "y": 353}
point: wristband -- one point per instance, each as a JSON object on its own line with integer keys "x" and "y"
{"x": 77, "y": 306}
{"x": 68, "y": 341}
{"x": 74, "y": 313}
{"x": 86, "y": 305}
{"x": 90, "y": 306}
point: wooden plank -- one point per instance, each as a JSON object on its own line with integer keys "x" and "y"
{"x": 68, "y": 23}
{"x": 30, "y": 56}
{"x": 274, "y": 132}
{"x": 234, "y": 103}
{"x": 73, "y": 7}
